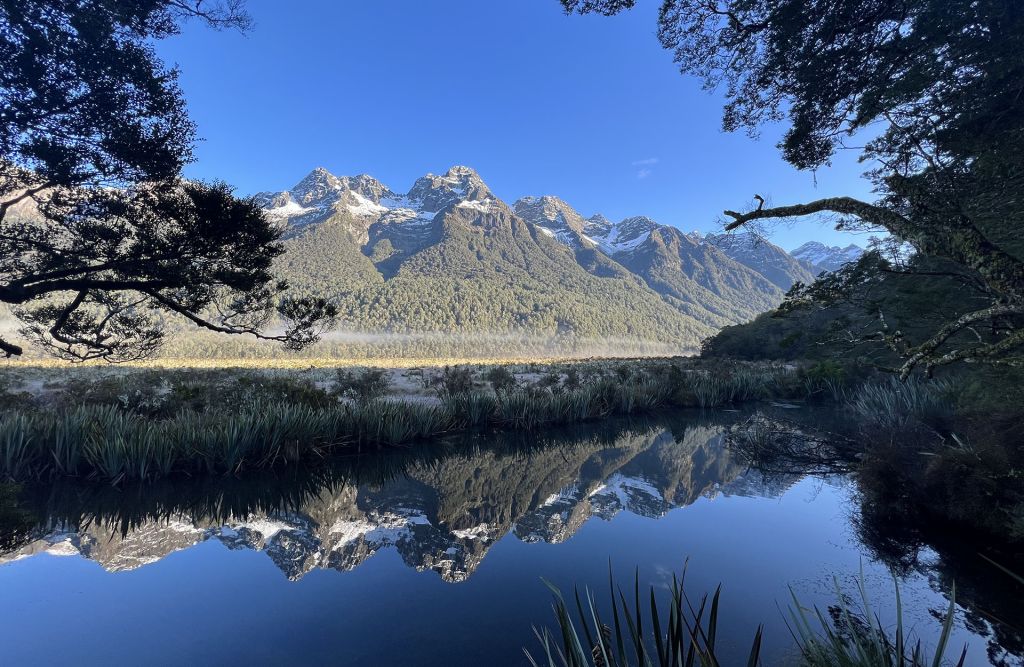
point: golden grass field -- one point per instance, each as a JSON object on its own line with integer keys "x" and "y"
{"x": 306, "y": 363}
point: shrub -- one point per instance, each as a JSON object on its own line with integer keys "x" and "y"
{"x": 551, "y": 381}
{"x": 456, "y": 380}
{"x": 370, "y": 384}
{"x": 502, "y": 379}
{"x": 572, "y": 380}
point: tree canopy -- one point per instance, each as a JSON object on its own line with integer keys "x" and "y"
{"x": 938, "y": 89}
{"x": 100, "y": 235}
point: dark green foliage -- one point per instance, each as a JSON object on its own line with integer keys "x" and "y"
{"x": 851, "y": 317}
{"x": 947, "y": 133}
{"x": 16, "y": 523}
{"x": 572, "y": 379}
{"x": 101, "y": 234}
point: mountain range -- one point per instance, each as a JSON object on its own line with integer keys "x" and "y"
{"x": 450, "y": 256}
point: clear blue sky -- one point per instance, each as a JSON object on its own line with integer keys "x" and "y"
{"x": 588, "y": 108}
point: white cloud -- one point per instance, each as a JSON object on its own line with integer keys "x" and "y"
{"x": 645, "y": 165}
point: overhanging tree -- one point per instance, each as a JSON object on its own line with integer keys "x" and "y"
{"x": 100, "y": 235}
{"x": 938, "y": 84}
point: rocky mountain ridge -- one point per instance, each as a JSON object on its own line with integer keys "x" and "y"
{"x": 448, "y": 255}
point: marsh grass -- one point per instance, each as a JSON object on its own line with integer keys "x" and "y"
{"x": 109, "y": 443}
{"x": 854, "y": 636}
{"x": 106, "y": 443}
{"x": 635, "y": 634}
{"x": 730, "y": 386}
{"x": 144, "y": 425}
{"x": 849, "y": 635}
{"x": 895, "y": 406}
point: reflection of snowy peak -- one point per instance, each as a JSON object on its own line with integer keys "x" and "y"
{"x": 444, "y": 516}
{"x": 635, "y": 495}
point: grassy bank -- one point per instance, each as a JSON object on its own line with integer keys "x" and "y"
{"x": 150, "y": 424}
{"x": 934, "y": 455}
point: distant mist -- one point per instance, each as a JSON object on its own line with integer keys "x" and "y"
{"x": 344, "y": 344}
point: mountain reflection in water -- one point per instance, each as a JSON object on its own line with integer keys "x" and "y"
{"x": 603, "y": 493}
{"x": 441, "y": 508}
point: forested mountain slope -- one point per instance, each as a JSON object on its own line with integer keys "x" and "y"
{"x": 449, "y": 256}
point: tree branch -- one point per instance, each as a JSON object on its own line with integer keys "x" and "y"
{"x": 10, "y": 349}
{"x": 206, "y": 324}
{"x": 876, "y": 215}
{"x": 924, "y": 351}
{"x": 964, "y": 244}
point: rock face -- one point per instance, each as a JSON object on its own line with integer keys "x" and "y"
{"x": 439, "y": 515}
{"x": 822, "y": 258}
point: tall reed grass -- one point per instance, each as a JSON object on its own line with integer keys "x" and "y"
{"x": 856, "y": 638}
{"x": 894, "y": 405}
{"x": 106, "y": 443}
{"x": 114, "y": 442}
{"x": 635, "y": 636}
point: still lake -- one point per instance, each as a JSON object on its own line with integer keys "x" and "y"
{"x": 435, "y": 555}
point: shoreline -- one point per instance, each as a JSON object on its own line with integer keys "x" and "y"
{"x": 144, "y": 425}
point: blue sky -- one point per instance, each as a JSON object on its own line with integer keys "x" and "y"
{"x": 588, "y": 108}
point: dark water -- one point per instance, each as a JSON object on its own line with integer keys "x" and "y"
{"x": 435, "y": 556}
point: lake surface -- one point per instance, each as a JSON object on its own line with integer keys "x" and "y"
{"x": 435, "y": 556}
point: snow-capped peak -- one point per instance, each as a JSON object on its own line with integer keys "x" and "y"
{"x": 363, "y": 201}
{"x": 316, "y": 186}
{"x": 555, "y": 217}
{"x": 619, "y": 236}
{"x": 432, "y": 193}
{"x": 827, "y": 258}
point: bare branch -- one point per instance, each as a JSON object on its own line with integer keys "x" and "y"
{"x": 924, "y": 351}
{"x": 964, "y": 244}
{"x": 870, "y": 213}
